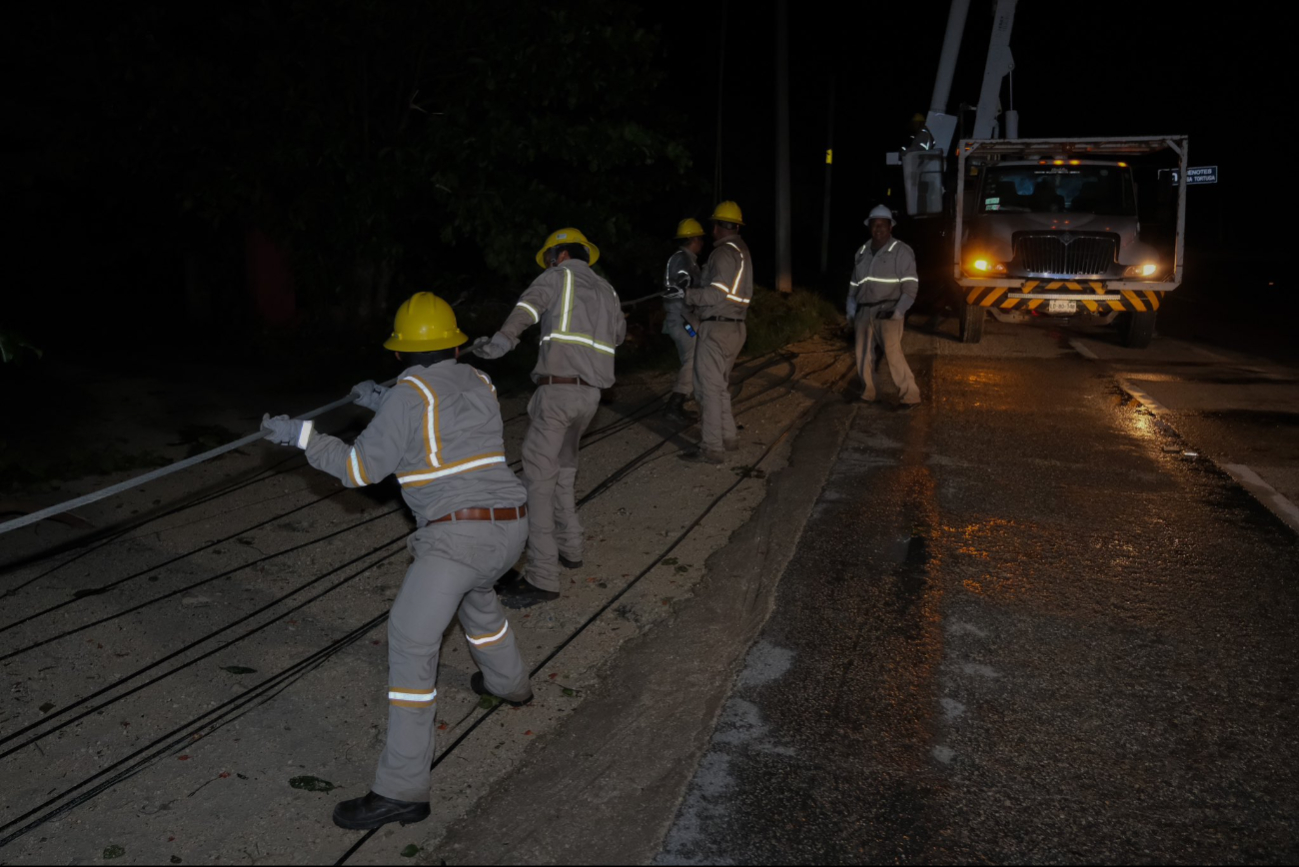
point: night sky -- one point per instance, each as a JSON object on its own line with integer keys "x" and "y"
{"x": 114, "y": 243}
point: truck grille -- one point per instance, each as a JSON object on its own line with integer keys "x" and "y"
{"x": 1065, "y": 253}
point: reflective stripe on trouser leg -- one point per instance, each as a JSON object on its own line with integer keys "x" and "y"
{"x": 504, "y": 673}
{"x": 685, "y": 383}
{"x": 865, "y": 349}
{"x": 559, "y": 415}
{"x": 429, "y": 597}
{"x": 889, "y": 334}
{"x": 715, "y": 351}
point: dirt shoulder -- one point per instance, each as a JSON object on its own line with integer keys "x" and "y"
{"x": 206, "y": 686}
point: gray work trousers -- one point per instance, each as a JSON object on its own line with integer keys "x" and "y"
{"x": 718, "y": 345}
{"x": 888, "y": 333}
{"x": 560, "y": 414}
{"x": 456, "y": 564}
{"x": 674, "y": 325}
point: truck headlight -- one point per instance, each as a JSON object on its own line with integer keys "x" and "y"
{"x": 1145, "y": 269}
{"x": 985, "y": 267}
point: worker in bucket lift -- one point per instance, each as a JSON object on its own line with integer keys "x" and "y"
{"x": 884, "y": 285}
{"x": 439, "y": 430}
{"x": 581, "y": 321}
{"x": 682, "y": 273}
{"x": 717, "y": 311}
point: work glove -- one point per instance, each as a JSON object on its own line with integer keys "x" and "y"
{"x": 898, "y": 314}
{"x": 494, "y": 347}
{"x": 368, "y": 394}
{"x": 285, "y": 431}
{"x": 852, "y": 309}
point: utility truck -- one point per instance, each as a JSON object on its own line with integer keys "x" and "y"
{"x": 1086, "y": 228}
{"x": 1051, "y": 227}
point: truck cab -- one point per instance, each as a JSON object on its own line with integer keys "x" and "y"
{"x": 1052, "y": 228}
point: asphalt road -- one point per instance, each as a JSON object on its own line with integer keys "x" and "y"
{"x": 1034, "y": 620}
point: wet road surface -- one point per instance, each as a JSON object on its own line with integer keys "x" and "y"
{"x": 1022, "y": 624}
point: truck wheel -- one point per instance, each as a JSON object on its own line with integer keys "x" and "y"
{"x": 972, "y": 317}
{"x": 1138, "y": 329}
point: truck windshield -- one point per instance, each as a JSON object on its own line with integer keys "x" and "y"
{"x": 1058, "y": 189}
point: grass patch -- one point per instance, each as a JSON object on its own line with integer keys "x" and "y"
{"x": 778, "y": 319}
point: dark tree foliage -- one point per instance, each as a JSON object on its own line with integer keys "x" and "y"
{"x": 388, "y": 146}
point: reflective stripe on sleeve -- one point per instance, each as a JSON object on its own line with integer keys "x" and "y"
{"x": 356, "y": 470}
{"x": 304, "y": 435}
{"x": 483, "y": 640}
{"x": 536, "y": 317}
{"x": 487, "y": 380}
{"x": 468, "y": 464}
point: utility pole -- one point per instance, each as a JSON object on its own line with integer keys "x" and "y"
{"x": 825, "y": 203}
{"x": 721, "y": 79}
{"x": 784, "y": 278}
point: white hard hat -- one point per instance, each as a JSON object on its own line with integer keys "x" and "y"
{"x": 881, "y": 212}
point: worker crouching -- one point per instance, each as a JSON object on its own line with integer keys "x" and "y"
{"x": 581, "y": 323}
{"x": 439, "y": 430}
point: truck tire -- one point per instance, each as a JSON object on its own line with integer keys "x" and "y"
{"x": 972, "y": 318}
{"x": 1137, "y": 329}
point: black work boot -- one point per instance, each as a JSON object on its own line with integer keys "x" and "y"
{"x": 569, "y": 564}
{"x": 477, "y": 684}
{"x": 676, "y": 409}
{"x": 373, "y": 811}
{"x": 516, "y": 592}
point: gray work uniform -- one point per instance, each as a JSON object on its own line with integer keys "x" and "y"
{"x": 439, "y": 431}
{"x": 721, "y": 304}
{"x": 884, "y": 286}
{"x": 581, "y": 322}
{"x": 682, "y": 273}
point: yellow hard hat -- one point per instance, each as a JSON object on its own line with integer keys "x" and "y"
{"x": 424, "y": 323}
{"x": 568, "y": 236}
{"x": 689, "y": 228}
{"x": 728, "y": 212}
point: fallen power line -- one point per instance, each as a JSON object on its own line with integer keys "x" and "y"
{"x": 153, "y": 475}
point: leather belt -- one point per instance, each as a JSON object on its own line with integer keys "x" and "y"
{"x": 484, "y": 515}
{"x": 719, "y": 319}
{"x": 565, "y": 380}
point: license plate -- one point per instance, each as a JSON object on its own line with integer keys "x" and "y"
{"x": 1055, "y": 306}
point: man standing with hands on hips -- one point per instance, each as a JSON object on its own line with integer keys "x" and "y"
{"x": 884, "y": 285}
{"x": 717, "y": 310}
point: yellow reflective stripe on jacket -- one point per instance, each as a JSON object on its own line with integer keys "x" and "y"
{"x": 491, "y": 638}
{"x": 432, "y": 435}
{"x": 730, "y": 296}
{"x": 536, "y": 317}
{"x": 423, "y": 477}
{"x": 732, "y": 292}
{"x": 582, "y": 339}
{"x": 869, "y": 279}
{"x": 567, "y": 312}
